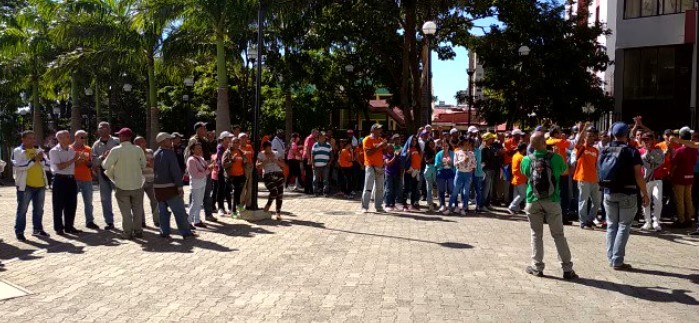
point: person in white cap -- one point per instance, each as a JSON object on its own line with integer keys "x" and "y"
{"x": 168, "y": 187}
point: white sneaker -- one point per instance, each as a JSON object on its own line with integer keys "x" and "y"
{"x": 657, "y": 227}
{"x": 647, "y": 227}
{"x": 365, "y": 211}
{"x": 597, "y": 222}
{"x": 441, "y": 209}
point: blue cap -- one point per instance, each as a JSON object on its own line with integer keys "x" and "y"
{"x": 620, "y": 129}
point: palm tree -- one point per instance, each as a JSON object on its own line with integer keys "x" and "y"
{"x": 24, "y": 38}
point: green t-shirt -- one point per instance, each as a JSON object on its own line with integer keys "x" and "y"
{"x": 558, "y": 166}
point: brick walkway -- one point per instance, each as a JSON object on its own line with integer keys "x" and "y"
{"x": 327, "y": 262}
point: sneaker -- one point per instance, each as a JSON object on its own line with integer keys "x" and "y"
{"x": 622, "y": 267}
{"x": 222, "y": 212}
{"x": 441, "y": 209}
{"x": 647, "y": 227}
{"x": 446, "y": 211}
{"x": 365, "y": 211}
{"x": 534, "y": 272}
{"x": 657, "y": 227}
{"x": 40, "y": 233}
{"x": 568, "y": 275}
{"x": 380, "y": 210}
{"x": 597, "y": 222}
{"x": 92, "y": 225}
{"x": 414, "y": 208}
{"x": 109, "y": 226}
{"x": 511, "y": 211}
{"x": 389, "y": 209}
{"x": 20, "y": 237}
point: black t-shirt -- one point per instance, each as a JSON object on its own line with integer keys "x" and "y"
{"x": 629, "y": 157}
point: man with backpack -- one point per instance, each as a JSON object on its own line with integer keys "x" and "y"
{"x": 543, "y": 170}
{"x": 620, "y": 175}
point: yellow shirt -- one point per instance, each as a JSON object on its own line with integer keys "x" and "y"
{"x": 35, "y": 174}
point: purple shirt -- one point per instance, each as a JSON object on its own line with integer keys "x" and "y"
{"x": 393, "y": 169}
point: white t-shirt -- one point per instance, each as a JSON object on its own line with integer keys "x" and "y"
{"x": 269, "y": 165}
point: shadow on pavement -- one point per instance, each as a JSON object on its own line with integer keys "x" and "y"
{"x": 235, "y": 230}
{"x": 451, "y": 245}
{"x": 653, "y": 294}
{"x": 154, "y": 243}
{"x": 417, "y": 217}
{"x": 694, "y": 278}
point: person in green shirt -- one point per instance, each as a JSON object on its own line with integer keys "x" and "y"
{"x": 539, "y": 208}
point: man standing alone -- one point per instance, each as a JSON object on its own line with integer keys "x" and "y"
{"x": 124, "y": 166}
{"x": 543, "y": 170}
{"x": 65, "y": 190}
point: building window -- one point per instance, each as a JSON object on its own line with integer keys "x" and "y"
{"x": 654, "y": 72}
{"x": 647, "y": 8}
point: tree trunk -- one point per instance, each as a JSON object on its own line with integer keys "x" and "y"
{"x": 223, "y": 114}
{"x": 98, "y": 104}
{"x": 289, "y": 114}
{"x": 37, "y": 117}
{"x": 75, "y": 113}
{"x": 408, "y": 98}
{"x": 153, "y": 101}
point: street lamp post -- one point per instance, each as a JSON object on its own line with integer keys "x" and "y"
{"x": 470, "y": 72}
{"x": 523, "y": 52}
{"x": 258, "y": 100}
{"x": 429, "y": 28}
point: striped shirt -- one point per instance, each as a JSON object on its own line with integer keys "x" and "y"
{"x": 321, "y": 154}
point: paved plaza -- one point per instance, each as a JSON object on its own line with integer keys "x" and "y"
{"x": 328, "y": 262}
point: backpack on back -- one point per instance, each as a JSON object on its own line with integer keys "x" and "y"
{"x": 611, "y": 174}
{"x": 541, "y": 176}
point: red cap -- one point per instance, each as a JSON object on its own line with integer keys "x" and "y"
{"x": 124, "y": 132}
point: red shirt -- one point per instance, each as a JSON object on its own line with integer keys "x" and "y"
{"x": 307, "y": 145}
{"x": 683, "y": 165}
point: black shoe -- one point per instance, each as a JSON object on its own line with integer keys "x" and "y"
{"x": 20, "y": 237}
{"x": 694, "y": 233}
{"x": 211, "y": 218}
{"x": 200, "y": 225}
{"x": 192, "y": 227}
{"x": 60, "y": 233}
{"x": 534, "y": 272}
{"x": 73, "y": 231}
{"x": 138, "y": 235}
{"x": 109, "y": 227}
{"x": 567, "y": 222}
{"x": 622, "y": 267}
{"x": 568, "y": 275}
{"x": 166, "y": 236}
{"x": 41, "y": 233}
{"x": 157, "y": 225}
{"x": 143, "y": 225}
{"x": 92, "y": 225}
{"x": 191, "y": 235}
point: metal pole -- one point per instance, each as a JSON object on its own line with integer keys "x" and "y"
{"x": 256, "y": 112}
{"x": 429, "y": 91}
{"x": 470, "y": 95}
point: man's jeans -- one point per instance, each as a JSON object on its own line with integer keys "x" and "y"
{"x": 621, "y": 210}
{"x": 654, "y": 209}
{"x": 551, "y": 211}
{"x": 321, "y": 180}
{"x": 106, "y": 188}
{"x": 176, "y": 204}
{"x": 373, "y": 179}
{"x": 520, "y": 193}
{"x": 478, "y": 182}
{"x": 430, "y": 180}
{"x": 85, "y": 189}
{"x": 131, "y": 207}
{"x": 392, "y": 187}
{"x": 588, "y": 201}
{"x": 462, "y": 184}
{"x": 36, "y": 196}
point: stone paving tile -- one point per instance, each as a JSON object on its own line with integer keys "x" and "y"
{"x": 328, "y": 262}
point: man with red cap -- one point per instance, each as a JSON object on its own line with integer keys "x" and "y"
{"x": 124, "y": 166}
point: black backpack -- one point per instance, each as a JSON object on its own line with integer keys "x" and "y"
{"x": 541, "y": 176}
{"x": 611, "y": 174}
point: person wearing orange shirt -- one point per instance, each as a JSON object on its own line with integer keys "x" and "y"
{"x": 519, "y": 181}
{"x": 411, "y": 178}
{"x": 83, "y": 175}
{"x": 234, "y": 161}
{"x": 585, "y": 174}
{"x": 346, "y": 162}
{"x": 359, "y": 165}
{"x": 560, "y": 146}
{"x": 374, "y": 146}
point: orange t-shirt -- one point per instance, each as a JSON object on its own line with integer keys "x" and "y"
{"x": 374, "y": 159}
{"x": 560, "y": 146}
{"x": 359, "y": 153}
{"x": 346, "y": 158}
{"x": 415, "y": 159}
{"x": 236, "y": 168}
{"x": 517, "y": 177}
{"x": 248, "y": 152}
{"x": 586, "y": 165}
{"x": 510, "y": 150}
{"x": 83, "y": 173}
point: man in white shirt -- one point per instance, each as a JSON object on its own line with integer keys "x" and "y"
{"x": 278, "y": 143}
{"x": 29, "y": 167}
{"x": 62, "y": 159}
{"x": 124, "y": 166}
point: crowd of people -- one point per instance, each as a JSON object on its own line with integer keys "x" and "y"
{"x": 604, "y": 179}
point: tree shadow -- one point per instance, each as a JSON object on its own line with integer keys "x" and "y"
{"x": 653, "y": 294}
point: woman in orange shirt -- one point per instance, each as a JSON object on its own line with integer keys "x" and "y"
{"x": 234, "y": 161}
{"x": 411, "y": 178}
{"x": 346, "y": 162}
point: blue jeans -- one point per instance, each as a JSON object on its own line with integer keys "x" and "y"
{"x": 520, "y": 193}
{"x": 85, "y": 189}
{"x": 392, "y": 189}
{"x": 621, "y": 210}
{"x": 321, "y": 180}
{"x": 36, "y": 196}
{"x": 106, "y": 188}
{"x": 445, "y": 182}
{"x": 462, "y": 184}
{"x": 176, "y": 204}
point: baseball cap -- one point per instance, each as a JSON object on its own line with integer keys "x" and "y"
{"x": 124, "y": 132}
{"x": 428, "y": 126}
{"x": 472, "y": 129}
{"x": 620, "y": 129}
{"x": 395, "y": 136}
{"x": 518, "y": 132}
{"x": 376, "y": 126}
{"x": 488, "y": 136}
{"x": 350, "y": 131}
{"x": 453, "y": 131}
{"x": 199, "y": 125}
{"x": 163, "y": 136}
{"x": 225, "y": 134}
{"x": 686, "y": 130}
{"x": 667, "y": 132}
{"x": 177, "y": 134}
{"x": 242, "y": 134}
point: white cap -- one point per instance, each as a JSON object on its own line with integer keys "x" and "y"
{"x": 242, "y": 134}
{"x": 472, "y": 129}
{"x": 453, "y": 131}
{"x": 517, "y": 132}
{"x": 163, "y": 136}
{"x": 428, "y": 126}
{"x": 685, "y": 130}
{"x": 225, "y": 134}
